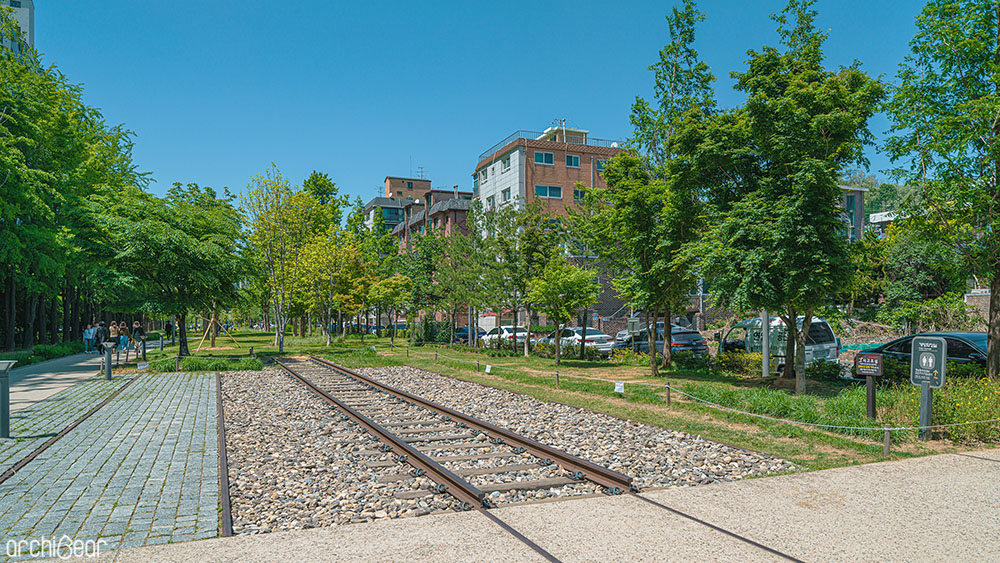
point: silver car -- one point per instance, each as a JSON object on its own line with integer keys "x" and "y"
{"x": 571, "y": 336}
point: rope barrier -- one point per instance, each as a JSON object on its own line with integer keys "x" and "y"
{"x": 737, "y": 411}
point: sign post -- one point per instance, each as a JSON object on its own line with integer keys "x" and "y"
{"x": 870, "y": 366}
{"x": 765, "y": 343}
{"x": 927, "y": 366}
{"x": 5, "y": 366}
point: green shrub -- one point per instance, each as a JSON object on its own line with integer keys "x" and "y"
{"x": 628, "y": 357}
{"x": 543, "y": 350}
{"x": 967, "y": 400}
{"x": 590, "y": 353}
{"x": 738, "y": 363}
{"x": 687, "y": 359}
{"x": 43, "y": 352}
{"x": 823, "y": 369}
{"x": 199, "y": 363}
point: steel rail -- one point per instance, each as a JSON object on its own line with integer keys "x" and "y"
{"x": 226, "y": 514}
{"x": 614, "y": 482}
{"x": 40, "y": 449}
{"x": 465, "y": 492}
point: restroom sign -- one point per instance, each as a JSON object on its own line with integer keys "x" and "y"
{"x": 927, "y": 361}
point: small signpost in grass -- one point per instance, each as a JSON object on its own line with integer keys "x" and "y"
{"x": 870, "y": 366}
{"x": 927, "y": 366}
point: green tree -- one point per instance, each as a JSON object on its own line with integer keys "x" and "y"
{"x": 560, "y": 291}
{"x": 946, "y": 136}
{"x": 182, "y": 252}
{"x": 392, "y": 293}
{"x": 780, "y": 245}
{"x": 281, "y": 220}
{"x": 652, "y": 209}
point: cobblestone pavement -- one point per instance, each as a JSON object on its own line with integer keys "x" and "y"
{"x": 142, "y": 470}
{"x": 32, "y": 426}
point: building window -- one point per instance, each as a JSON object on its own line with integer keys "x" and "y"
{"x": 578, "y": 195}
{"x": 544, "y": 158}
{"x": 505, "y": 195}
{"x": 549, "y": 192}
{"x": 601, "y": 164}
{"x": 435, "y": 222}
{"x": 15, "y": 3}
{"x": 400, "y": 194}
{"x": 505, "y": 164}
{"x": 573, "y": 161}
{"x": 409, "y": 185}
{"x": 491, "y": 202}
{"x": 485, "y": 174}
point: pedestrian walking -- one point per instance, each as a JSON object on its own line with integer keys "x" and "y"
{"x": 100, "y": 336}
{"x": 138, "y": 335}
{"x": 88, "y": 339}
{"x": 123, "y": 333}
{"x": 169, "y": 330}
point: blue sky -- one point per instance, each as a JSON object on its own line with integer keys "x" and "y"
{"x": 217, "y": 90}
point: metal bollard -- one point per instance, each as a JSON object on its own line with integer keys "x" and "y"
{"x": 177, "y": 363}
{"x": 435, "y": 355}
{"x": 888, "y": 441}
{"x": 5, "y": 366}
{"x": 407, "y": 351}
{"x": 668, "y": 394}
{"x": 161, "y": 341}
{"x": 143, "y": 348}
{"x": 557, "y": 378}
{"x": 477, "y": 365}
{"x": 108, "y": 347}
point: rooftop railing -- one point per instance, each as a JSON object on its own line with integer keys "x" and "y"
{"x": 572, "y": 138}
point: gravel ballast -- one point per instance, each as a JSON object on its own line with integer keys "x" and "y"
{"x": 653, "y": 456}
{"x": 295, "y": 463}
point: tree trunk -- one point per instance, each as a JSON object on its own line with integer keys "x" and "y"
{"x": 800, "y": 353}
{"x": 77, "y": 335}
{"x": 651, "y": 340}
{"x": 54, "y": 321}
{"x": 10, "y": 313}
{"x": 789, "y": 371}
{"x": 181, "y": 319}
{"x": 668, "y": 340}
{"x": 527, "y": 338}
{"x": 67, "y": 301}
{"x": 309, "y": 322}
{"x": 360, "y": 329}
{"x": 43, "y": 321}
{"x": 583, "y": 335}
{"x": 30, "y": 311}
{"x": 557, "y": 339}
{"x": 993, "y": 331}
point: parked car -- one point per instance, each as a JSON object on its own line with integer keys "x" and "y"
{"x": 745, "y": 336}
{"x": 505, "y": 334}
{"x": 963, "y": 347}
{"x": 571, "y": 336}
{"x": 621, "y": 337}
{"x": 681, "y": 340}
{"x": 462, "y": 334}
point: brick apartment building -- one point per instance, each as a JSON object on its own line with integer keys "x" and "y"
{"x": 541, "y": 166}
{"x": 442, "y": 211}
{"x": 406, "y": 188}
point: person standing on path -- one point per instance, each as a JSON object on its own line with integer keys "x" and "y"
{"x": 123, "y": 335}
{"x": 88, "y": 339}
{"x": 100, "y": 337}
{"x": 113, "y": 334}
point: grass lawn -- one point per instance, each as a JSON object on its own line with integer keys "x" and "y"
{"x": 590, "y": 384}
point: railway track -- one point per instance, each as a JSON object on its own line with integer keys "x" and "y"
{"x": 465, "y": 457}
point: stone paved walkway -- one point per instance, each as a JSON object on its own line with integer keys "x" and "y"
{"x": 32, "y": 383}
{"x": 32, "y": 426}
{"x": 143, "y": 470}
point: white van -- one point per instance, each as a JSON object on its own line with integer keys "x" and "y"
{"x": 745, "y": 336}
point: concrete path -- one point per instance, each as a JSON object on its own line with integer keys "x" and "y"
{"x": 933, "y": 508}
{"x": 32, "y": 383}
{"x": 142, "y": 470}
